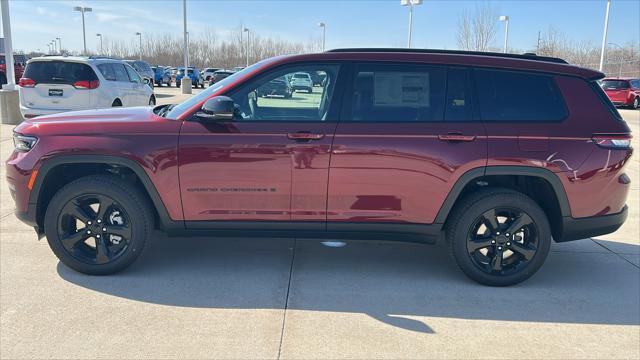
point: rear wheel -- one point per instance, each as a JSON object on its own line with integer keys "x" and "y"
{"x": 636, "y": 103}
{"x": 98, "y": 225}
{"x": 152, "y": 101}
{"x": 178, "y": 84}
{"x": 499, "y": 237}
{"x": 116, "y": 103}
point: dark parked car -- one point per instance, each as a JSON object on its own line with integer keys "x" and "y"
{"x": 219, "y": 75}
{"x": 276, "y": 87}
{"x": 622, "y": 91}
{"x": 402, "y": 145}
{"x": 143, "y": 69}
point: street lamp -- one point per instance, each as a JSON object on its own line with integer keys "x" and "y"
{"x": 620, "y": 58}
{"x": 410, "y": 4}
{"x": 505, "y": 18}
{"x": 59, "y": 45}
{"x": 84, "y": 35}
{"x": 185, "y": 85}
{"x": 100, "y": 36}
{"x": 53, "y": 43}
{"x": 324, "y": 28}
{"x": 140, "y": 38}
{"x": 604, "y": 36}
{"x": 244, "y": 29}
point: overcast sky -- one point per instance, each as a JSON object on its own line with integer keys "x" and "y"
{"x": 349, "y": 22}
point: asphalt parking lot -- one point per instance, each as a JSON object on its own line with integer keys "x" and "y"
{"x": 295, "y": 298}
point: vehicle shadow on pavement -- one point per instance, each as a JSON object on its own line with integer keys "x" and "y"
{"x": 391, "y": 282}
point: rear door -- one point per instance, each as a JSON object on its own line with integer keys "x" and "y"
{"x": 125, "y": 87}
{"x": 59, "y": 85}
{"x": 138, "y": 94}
{"x": 406, "y": 134}
{"x": 271, "y": 163}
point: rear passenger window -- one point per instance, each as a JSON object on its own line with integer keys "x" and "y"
{"x": 459, "y": 101}
{"x": 107, "y": 71}
{"x": 518, "y": 96}
{"x": 407, "y": 93}
{"x": 120, "y": 72}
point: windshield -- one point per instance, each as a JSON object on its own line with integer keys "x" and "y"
{"x": 184, "y": 106}
{"x": 615, "y": 84}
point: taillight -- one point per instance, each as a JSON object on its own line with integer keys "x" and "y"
{"x": 86, "y": 84}
{"x": 26, "y": 82}
{"x": 612, "y": 141}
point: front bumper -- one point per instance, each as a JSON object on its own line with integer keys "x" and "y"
{"x": 582, "y": 228}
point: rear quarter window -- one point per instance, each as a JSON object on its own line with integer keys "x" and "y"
{"x": 518, "y": 96}
{"x": 107, "y": 71}
{"x": 59, "y": 72}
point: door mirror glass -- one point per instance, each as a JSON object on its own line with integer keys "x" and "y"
{"x": 219, "y": 108}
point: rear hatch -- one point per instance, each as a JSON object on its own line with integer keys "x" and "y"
{"x": 58, "y": 85}
{"x": 616, "y": 90}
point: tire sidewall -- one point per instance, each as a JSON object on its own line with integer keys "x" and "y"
{"x": 138, "y": 218}
{"x": 459, "y": 233}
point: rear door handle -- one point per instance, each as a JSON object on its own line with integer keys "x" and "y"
{"x": 304, "y": 136}
{"x": 456, "y": 137}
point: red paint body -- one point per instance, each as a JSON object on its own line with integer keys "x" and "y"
{"x": 356, "y": 172}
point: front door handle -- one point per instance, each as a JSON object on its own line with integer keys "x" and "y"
{"x": 304, "y": 136}
{"x": 456, "y": 137}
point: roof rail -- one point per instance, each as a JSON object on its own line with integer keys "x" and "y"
{"x": 525, "y": 56}
{"x": 102, "y": 57}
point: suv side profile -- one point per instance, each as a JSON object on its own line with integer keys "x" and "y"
{"x": 403, "y": 145}
{"x": 55, "y": 84}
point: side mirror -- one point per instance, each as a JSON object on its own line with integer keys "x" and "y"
{"x": 146, "y": 81}
{"x": 219, "y": 108}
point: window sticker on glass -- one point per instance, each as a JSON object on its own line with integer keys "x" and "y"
{"x": 401, "y": 89}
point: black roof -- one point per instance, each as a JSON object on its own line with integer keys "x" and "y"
{"x": 525, "y": 56}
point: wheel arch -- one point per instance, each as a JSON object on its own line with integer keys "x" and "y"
{"x": 542, "y": 185}
{"x": 48, "y": 182}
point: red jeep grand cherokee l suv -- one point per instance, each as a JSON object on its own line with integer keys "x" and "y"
{"x": 394, "y": 144}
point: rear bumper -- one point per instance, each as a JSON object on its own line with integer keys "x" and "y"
{"x": 582, "y": 228}
{"x": 29, "y": 113}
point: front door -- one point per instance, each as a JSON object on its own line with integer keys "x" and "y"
{"x": 406, "y": 134}
{"x": 270, "y": 164}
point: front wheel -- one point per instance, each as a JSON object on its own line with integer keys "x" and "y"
{"x": 498, "y": 237}
{"x": 98, "y": 225}
{"x": 636, "y": 103}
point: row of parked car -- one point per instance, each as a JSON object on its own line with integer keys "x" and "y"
{"x": 53, "y": 84}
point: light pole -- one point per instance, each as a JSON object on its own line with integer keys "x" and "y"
{"x": 53, "y": 44}
{"x": 619, "y": 58}
{"x": 185, "y": 84}
{"x": 324, "y": 28}
{"x": 604, "y": 36}
{"x": 244, "y": 29}
{"x": 505, "y": 18}
{"x": 100, "y": 36}
{"x": 188, "y": 49}
{"x": 59, "y": 45}
{"x": 410, "y": 4}
{"x": 140, "y": 38}
{"x": 84, "y": 35}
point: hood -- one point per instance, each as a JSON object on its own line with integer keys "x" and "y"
{"x": 114, "y": 120}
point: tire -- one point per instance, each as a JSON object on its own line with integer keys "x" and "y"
{"x": 3, "y": 78}
{"x": 636, "y": 103}
{"x": 128, "y": 215}
{"x": 116, "y": 103}
{"x": 522, "y": 252}
{"x": 177, "y": 84}
{"x": 152, "y": 101}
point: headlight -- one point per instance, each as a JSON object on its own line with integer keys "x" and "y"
{"x": 24, "y": 143}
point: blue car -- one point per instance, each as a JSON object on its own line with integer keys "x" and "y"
{"x": 161, "y": 75}
{"x": 194, "y": 74}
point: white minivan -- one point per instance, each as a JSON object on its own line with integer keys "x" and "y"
{"x": 54, "y": 84}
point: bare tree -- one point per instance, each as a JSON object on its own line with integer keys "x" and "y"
{"x": 477, "y": 30}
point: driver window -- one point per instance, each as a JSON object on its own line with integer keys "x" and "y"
{"x": 133, "y": 75}
{"x": 301, "y": 93}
